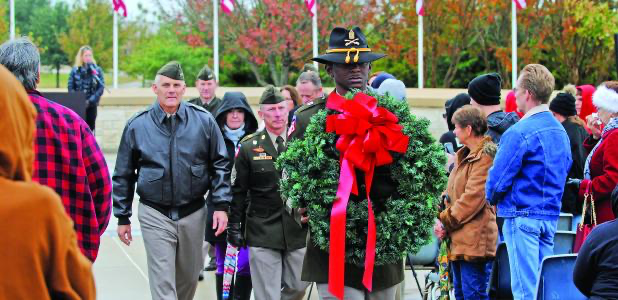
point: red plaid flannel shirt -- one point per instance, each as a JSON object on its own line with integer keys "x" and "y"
{"x": 68, "y": 160}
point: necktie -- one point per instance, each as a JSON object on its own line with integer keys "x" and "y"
{"x": 280, "y": 146}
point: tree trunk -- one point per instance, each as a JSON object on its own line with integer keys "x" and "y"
{"x": 57, "y": 75}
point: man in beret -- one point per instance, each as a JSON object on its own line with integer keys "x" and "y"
{"x": 206, "y": 84}
{"x": 174, "y": 152}
{"x": 276, "y": 241}
{"x": 484, "y": 92}
{"x": 348, "y": 61}
{"x": 563, "y": 109}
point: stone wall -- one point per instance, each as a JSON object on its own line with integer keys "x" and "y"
{"x": 111, "y": 120}
{"x": 119, "y": 105}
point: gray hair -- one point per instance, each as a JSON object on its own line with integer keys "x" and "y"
{"x": 21, "y": 57}
{"x": 309, "y": 76}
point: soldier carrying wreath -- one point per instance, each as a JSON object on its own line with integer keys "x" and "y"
{"x": 365, "y": 172}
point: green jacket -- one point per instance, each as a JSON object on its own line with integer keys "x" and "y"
{"x": 315, "y": 265}
{"x": 211, "y": 107}
{"x": 255, "y": 189}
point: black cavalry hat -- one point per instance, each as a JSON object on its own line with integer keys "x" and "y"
{"x": 347, "y": 47}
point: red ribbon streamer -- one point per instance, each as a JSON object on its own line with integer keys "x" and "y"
{"x": 366, "y": 135}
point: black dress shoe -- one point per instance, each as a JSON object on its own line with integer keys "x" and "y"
{"x": 212, "y": 265}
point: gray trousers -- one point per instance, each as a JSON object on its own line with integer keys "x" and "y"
{"x": 275, "y": 274}
{"x": 174, "y": 252}
{"x": 354, "y": 294}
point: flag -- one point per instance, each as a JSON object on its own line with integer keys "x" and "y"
{"x": 118, "y": 5}
{"x": 312, "y": 6}
{"x": 420, "y": 9}
{"x": 521, "y": 4}
{"x": 227, "y": 6}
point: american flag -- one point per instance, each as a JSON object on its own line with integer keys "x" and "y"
{"x": 312, "y": 6}
{"x": 227, "y": 6}
{"x": 420, "y": 9}
{"x": 521, "y": 4}
{"x": 118, "y": 5}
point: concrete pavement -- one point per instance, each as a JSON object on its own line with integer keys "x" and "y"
{"x": 121, "y": 272}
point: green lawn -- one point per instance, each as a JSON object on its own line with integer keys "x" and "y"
{"x": 48, "y": 80}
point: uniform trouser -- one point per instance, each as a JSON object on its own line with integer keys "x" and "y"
{"x": 355, "y": 294}
{"x": 174, "y": 252}
{"x": 275, "y": 274}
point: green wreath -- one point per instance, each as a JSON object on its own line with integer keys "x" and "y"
{"x": 312, "y": 177}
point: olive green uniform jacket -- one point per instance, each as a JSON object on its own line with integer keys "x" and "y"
{"x": 315, "y": 265}
{"x": 211, "y": 107}
{"x": 256, "y": 197}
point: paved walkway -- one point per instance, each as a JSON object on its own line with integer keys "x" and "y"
{"x": 121, "y": 272}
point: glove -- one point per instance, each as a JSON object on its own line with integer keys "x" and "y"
{"x": 234, "y": 235}
{"x": 574, "y": 182}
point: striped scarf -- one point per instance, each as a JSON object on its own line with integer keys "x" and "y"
{"x": 613, "y": 124}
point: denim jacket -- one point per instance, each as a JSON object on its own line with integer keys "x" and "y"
{"x": 530, "y": 168}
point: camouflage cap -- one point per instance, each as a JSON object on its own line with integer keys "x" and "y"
{"x": 206, "y": 74}
{"x": 172, "y": 70}
{"x": 271, "y": 95}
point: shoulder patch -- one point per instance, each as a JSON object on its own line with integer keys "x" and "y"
{"x": 248, "y": 137}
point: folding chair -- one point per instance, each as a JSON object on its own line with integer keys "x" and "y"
{"x": 555, "y": 279}
{"x": 563, "y": 242}
{"x": 564, "y": 222}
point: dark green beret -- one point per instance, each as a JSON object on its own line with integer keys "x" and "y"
{"x": 172, "y": 70}
{"x": 206, "y": 74}
{"x": 271, "y": 95}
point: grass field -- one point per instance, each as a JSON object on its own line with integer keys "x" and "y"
{"x": 48, "y": 80}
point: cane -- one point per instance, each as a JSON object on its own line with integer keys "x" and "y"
{"x": 229, "y": 269}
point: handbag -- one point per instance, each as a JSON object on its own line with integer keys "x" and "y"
{"x": 584, "y": 229}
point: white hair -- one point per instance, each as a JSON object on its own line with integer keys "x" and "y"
{"x": 22, "y": 58}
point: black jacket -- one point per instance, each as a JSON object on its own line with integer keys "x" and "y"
{"x": 577, "y": 134}
{"x": 231, "y": 100}
{"x": 596, "y": 269}
{"x": 83, "y": 79}
{"x": 498, "y": 122}
{"x": 173, "y": 169}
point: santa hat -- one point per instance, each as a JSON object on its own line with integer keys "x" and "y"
{"x": 606, "y": 99}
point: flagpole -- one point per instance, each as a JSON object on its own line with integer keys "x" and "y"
{"x": 514, "y": 41}
{"x": 115, "y": 59}
{"x": 12, "y": 19}
{"x": 314, "y": 23}
{"x": 420, "y": 52}
{"x": 216, "y": 36}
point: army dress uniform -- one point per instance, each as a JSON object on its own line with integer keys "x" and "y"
{"x": 316, "y": 263}
{"x": 276, "y": 241}
{"x": 214, "y": 104}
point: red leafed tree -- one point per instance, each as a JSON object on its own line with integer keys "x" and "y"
{"x": 271, "y": 33}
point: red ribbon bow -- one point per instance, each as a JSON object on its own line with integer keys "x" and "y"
{"x": 366, "y": 135}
